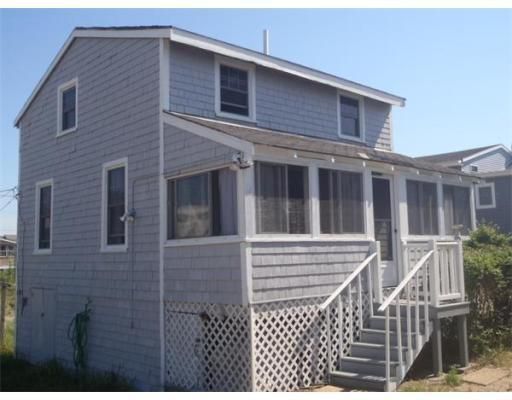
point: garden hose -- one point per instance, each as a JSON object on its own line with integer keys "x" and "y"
{"x": 77, "y": 333}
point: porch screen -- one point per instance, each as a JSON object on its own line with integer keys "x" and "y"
{"x": 341, "y": 202}
{"x": 281, "y": 198}
{"x": 422, "y": 208}
{"x": 202, "y": 205}
{"x": 457, "y": 212}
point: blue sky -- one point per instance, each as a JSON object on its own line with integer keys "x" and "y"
{"x": 453, "y": 66}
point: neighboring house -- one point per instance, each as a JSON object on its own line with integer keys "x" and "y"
{"x": 238, "y": 221}
{"x": 7, "y": 250}
{"x": 493, "y": 195}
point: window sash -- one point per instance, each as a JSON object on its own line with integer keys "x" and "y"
{"x": 116, "y": 206}
{"x": 422, "y": 208}
{"x": 349, "y": 117}
{"x": 234, "y": 85}
{"x": 45, "y": 202}
{"x": 68, "y": 108}
{"x": 282, "y": 204}
{"x": 486, "y": 198}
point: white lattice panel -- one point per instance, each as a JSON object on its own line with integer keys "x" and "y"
{"x": 207, "y": 347}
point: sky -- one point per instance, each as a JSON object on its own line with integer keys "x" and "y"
{"x": 454, "y": 67}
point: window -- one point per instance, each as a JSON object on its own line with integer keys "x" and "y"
{"x": 457, "y": 212}
{"x": 234, "y": 89}
{"x": 341, "y": 202}
{"x": 114, "y": 205}
{"x": 282, "y": 198}
{"x": 43, "y": 223}
{"x": 202, "y": 205}
{"x": 422, "y": 208}
{"x": 350, "y": 117}
{"x": 485, "y": 196}
{"x": 474, "y": 168}
{"x": 67, "y": 107}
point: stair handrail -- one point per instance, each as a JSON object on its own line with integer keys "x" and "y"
{"x": 394, "y": 296}
{"x": 347, "y": 281}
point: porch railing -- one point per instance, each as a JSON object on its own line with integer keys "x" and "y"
{"x": 369, "y": 268}
{"x": 407, "y": 295}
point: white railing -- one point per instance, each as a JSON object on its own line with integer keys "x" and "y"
{"x": 408, "y": 294}
{"x": 370, "y": 267}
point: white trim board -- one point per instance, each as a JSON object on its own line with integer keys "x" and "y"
{"x": 493, "y": 196}
{"x": 219, "y": 47}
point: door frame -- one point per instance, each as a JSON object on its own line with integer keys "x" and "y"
{"x": 395, "y": 223}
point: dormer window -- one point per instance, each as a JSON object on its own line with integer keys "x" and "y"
{"x": 351, "y": 115}
{"x": 67, "y": 107}
{"x": 234, "y": 94}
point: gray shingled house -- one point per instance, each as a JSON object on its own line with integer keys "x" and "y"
{"x": 238, "y": 221}
{"x": 493, "y": 195}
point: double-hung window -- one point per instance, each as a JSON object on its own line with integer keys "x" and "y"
{"x": 485, "y": 196}
{"x": 202, "y": 205}
{"x": 114, "y": 205}
{"x": 350, "y": 117}
{"x": 422, "y": 208}
{"x": 67, "y": 101}
{"x": 282, "y": 194}
{"x": 234, "y": 89}
{"x": 341, "y": 202}
{"x": 457, "y": 211}
{"x": 43, "y": 225}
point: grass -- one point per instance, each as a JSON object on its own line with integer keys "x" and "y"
{"x": 19, "y": 375}
{"x": 452, "y": 378}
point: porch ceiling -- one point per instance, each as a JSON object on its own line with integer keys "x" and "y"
{"x": 294, "y": 141}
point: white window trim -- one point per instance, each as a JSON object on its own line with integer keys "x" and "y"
{"x": 104, "y": 247}
{"x": 493, "y": 196}
{"x": 39, "y": 186}
{"x": 362, "y": 125}
{"x": 60, "y": 91}
{"x": 251, "y": 77}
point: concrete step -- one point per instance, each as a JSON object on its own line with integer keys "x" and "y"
{"x": 367, "y": 366}
{"x": 360, "y": 381}
{"x": 375, "y": 351}
{"x": 379, "y": 336}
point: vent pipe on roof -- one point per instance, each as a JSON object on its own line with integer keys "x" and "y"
{"x": 266, "y": 44}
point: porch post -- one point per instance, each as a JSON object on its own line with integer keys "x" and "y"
{"x": 463, "y": 340}
{"x": 437, "y": 352}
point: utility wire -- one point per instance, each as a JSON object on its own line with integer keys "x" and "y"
{"x": 6, "y": 204}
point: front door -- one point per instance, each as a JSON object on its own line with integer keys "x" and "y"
{"x": 385, "y": 229}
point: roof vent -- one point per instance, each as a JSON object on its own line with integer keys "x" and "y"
{"x": 266, "y": 44}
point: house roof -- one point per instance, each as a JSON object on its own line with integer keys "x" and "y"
{"x": 299, "y": 142}
{"x": 456, "y": 157}
{"x": 216, "y": 46}
{"x": 8, "y": 238}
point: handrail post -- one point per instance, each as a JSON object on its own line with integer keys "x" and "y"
{"x": 460, "y": 269}
{"x": 377, "y": 281}
{"x": 434, "y": 273}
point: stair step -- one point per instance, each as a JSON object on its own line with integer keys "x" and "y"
{"x": 375, "y": 351}
{"x": 360, "y": 381}
{"x": 403, "y": 310}
{"x": 379, "y": 322}
{"x": 379, "y": 336}
{"x": 368, "y": 366}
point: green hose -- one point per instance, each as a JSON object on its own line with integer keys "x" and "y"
{"x": 77, "y": 333}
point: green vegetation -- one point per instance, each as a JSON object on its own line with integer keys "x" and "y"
{"x": 488, "y": 268}
{"x": 452, "y": 378}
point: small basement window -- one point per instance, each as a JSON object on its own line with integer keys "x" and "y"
{"x": 457, "y": 211}
{"x": 234, "y": 89}
{"x": 341, "y": 202}
{"x": 202, "y": 205}
{"x": 282, "y": 195}
{"x": 67, "y": 107}
{"x": 485, "y": 196}
{"x": 422, "y": 208}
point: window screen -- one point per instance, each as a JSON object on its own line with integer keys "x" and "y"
{"x": 116, "y": 206}
{"x": 45, "y": 216}
{"x": 422, "y": 208}
{"x": 202, "y": 205}
{"x": 457, "y": 212}
{"x": 485, "y": 196}
{"x": 234, "y": 90}
{"x": 341, "y": 202}
{"x": 349, "y": 116}
{"x": 69, "y": 108}
{"x": 281, "y": 198}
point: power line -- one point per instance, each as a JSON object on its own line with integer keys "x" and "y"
{"x": 6, "y": 204}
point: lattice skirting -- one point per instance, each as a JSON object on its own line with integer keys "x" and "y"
{"x": 278, "y": 346}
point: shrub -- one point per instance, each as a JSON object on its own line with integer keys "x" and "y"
{"x": 452, "y": 378}
{"x": 488, "y": 273}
